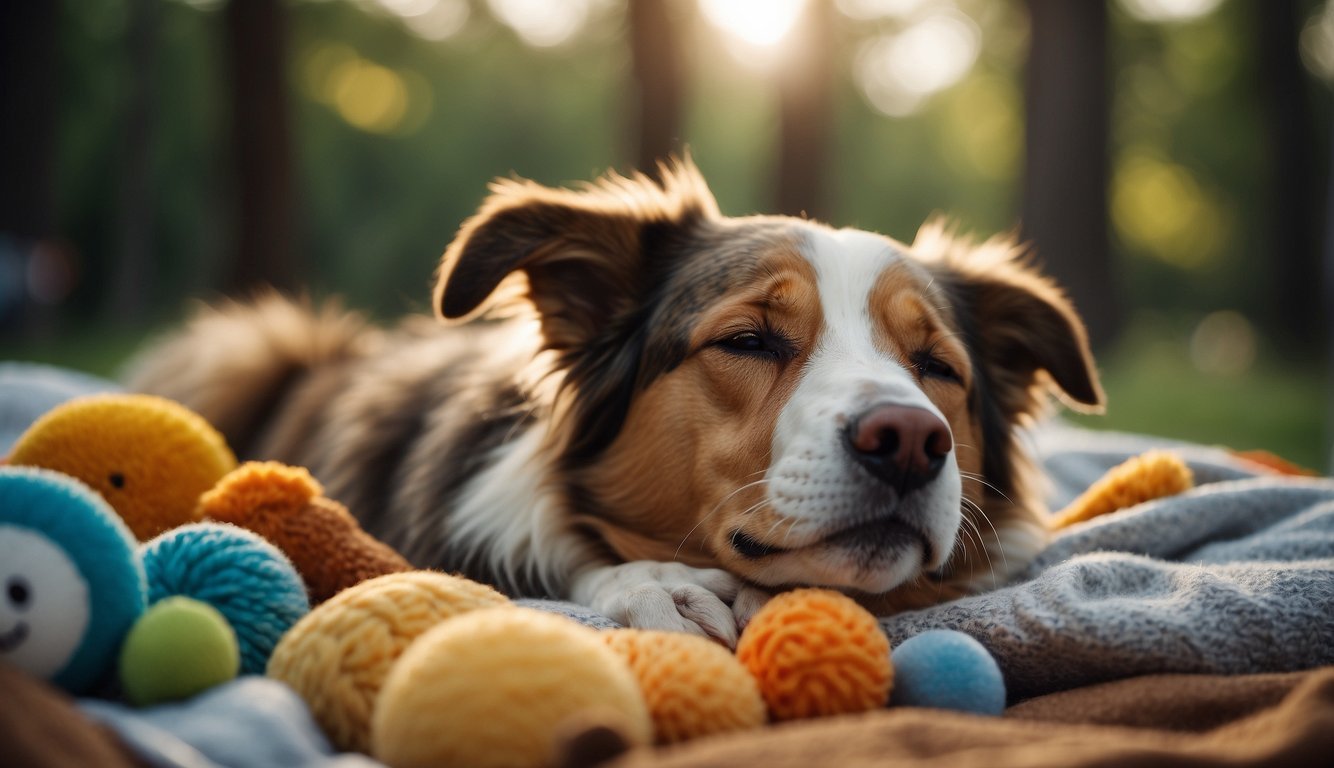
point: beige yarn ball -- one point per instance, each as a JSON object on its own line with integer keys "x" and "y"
{"x": 693, "y": 686}
{"x": 497, "y": 688}
{"x": 339, "y": 654}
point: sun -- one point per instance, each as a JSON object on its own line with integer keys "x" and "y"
{"x": 758, "y": 22}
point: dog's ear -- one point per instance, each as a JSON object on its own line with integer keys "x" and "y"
{"x": 582, "y": 251}
{"x": 1020, "y": 326}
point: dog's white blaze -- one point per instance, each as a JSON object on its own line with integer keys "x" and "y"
{"x": 812, "y": 480}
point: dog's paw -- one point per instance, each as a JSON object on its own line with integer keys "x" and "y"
{"x": 652, "y": 595}
{"x": 749, "y": 600}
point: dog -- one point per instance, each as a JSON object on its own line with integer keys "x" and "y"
{"x": 663, "y": 413}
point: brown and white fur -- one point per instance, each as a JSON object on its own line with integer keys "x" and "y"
{"x": 664, "y": 413}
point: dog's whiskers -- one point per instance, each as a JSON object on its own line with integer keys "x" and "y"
{"x": 719, "y": 506}
{"x": 983, "y": 481}
{"x": 970, "y": 504}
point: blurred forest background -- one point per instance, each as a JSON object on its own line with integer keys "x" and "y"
{"x": 1169, "y": 158}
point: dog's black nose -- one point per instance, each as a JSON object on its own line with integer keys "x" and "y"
{"x": 903, "y": 446}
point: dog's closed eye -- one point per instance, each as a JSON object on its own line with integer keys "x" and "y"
{"x": 758, "y": 343}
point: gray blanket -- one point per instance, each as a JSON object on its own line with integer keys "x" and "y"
{"x": 1233, "y": 577}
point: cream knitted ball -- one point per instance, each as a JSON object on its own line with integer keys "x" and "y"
{"x": 500, "y": 687}
{"x": 337, "y": 657}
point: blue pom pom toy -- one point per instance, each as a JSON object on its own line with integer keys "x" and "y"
{"x": 246, "y": 578}
{"x": 71, "y": 584}
{"x": 944, "y": 669}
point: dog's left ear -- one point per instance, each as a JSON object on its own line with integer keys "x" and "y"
{"x": 1019, "y": 323}
{"x": 582, "y": 251}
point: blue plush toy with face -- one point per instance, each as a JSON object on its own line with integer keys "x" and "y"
{"x": 71, "y": 582}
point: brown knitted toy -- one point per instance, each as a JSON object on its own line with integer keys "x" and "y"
{"x": 286, "y": 506}
{"x": 1148, "y": 476}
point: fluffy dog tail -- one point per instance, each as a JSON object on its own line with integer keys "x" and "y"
{"x": 236, "y": 363}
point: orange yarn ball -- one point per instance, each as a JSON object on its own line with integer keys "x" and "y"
{"x": 817, "y": 652}
{"x": 693, "y": 686}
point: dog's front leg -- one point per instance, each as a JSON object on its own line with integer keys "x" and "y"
{"x": 652, "y": 595}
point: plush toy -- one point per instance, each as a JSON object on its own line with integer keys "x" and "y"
{"x": 944, "y": 669}
{"x": 1148, "y": 476}
{"x": 338, "y": 656}
{"x": 693, "y": 686}
{"x": 816, "y": 652}
{"x": 497, "y": 687}
{"x": 285, "y": 505}
{"x": 178, "y": 648}
{"x": 150, "y": 458}
{"x": 72, "y": 583}
{"x": 241, "y": 575}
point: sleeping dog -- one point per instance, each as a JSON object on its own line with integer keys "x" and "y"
{"x": 663, "y": 413}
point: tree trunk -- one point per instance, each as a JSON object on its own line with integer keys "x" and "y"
{"x": 805, "y": 91}
{"x": 659, "y": 83}
{"x": 131, "y": 284}
{"x": 1291, "y": 238}
{"x": 1328, "y": 302}
{"x": 262, "y": 148}
{"x": 28, "y": 99}
{"x": 1065, "y": 173}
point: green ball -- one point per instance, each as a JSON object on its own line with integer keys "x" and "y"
{"x": 178, "y": 648}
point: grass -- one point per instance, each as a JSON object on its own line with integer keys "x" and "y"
{"x": 1278, "y": 406}
{"x": 1151, "y": 385}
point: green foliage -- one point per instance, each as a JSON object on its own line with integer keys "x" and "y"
{"x": 381, "y": 192}
{"x": 1153, "y": 388}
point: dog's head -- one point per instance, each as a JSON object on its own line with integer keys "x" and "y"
{"x": 794, "y": 403}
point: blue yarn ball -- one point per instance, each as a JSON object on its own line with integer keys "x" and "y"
{"x": 944, "y": 669}
{"x": 246, "y": 578}
{"x": 71, "y": 584}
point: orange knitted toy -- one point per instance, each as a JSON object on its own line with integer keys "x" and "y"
{"x": 693, "y": 686}
{"x": 1148, "y": 476}
{"x": 285, "y": 505}
{"x": 817, "y": 652}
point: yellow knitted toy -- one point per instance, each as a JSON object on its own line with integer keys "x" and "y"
{"x": 286, "y": 506}
{"x": 500, "y": 687}
{"x": 693, "y": 686}
{"x": 1148, "y": 476}
{"x": 816, "y": 652}
{"x": 337, "y": 657}
{"x": 150, "y": 458}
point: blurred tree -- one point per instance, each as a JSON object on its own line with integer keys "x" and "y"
{"x": 655, "y": 46}
{"x": 28, "y": 99}
{"x": 265, "y": 207}
{"x": 806, "y": 111}
{"x": 1291, "y": 229}
{"x": 134, "y": 269}
{"x": 1066, "y": 162}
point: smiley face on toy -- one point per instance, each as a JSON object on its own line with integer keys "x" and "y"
{"x": 44, "y": 606}
{"x": 71, "y": 583}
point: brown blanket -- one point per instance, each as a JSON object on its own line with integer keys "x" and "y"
{"x": 1279, "y": 719}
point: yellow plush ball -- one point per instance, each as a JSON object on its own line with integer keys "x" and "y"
{"x": 816, "y": 652}
{"x": 498, "y": 688}
{"x": 149, "y": 457}
{"x": 693, "y": 686}
{"x": 338, "y": 656}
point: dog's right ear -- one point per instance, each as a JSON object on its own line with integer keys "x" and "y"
{"x": 582, "y": 251}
